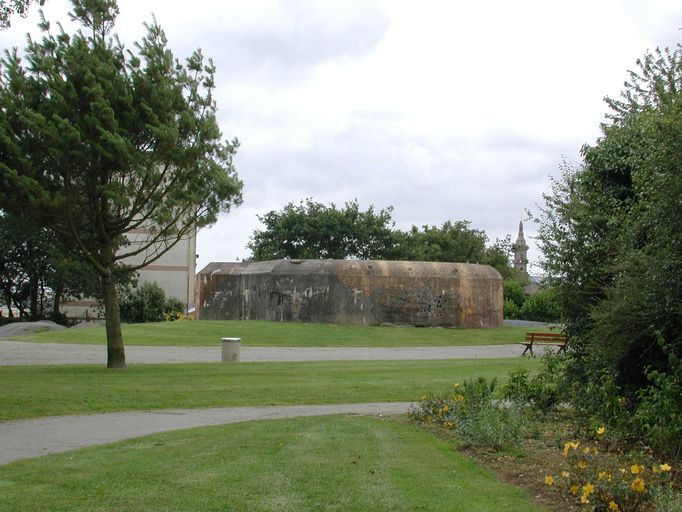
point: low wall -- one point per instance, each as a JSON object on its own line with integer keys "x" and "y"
{"x": 352, "y": 291}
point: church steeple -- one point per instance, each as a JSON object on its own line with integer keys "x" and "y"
{"x": 521, "y": 252}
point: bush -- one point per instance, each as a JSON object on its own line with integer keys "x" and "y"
{"x": 474, "y": 413}
{"x": 513, "y": 291}
{"x": 511, "y": 310}
{"x": 545, "y": 390}
{"x": 148, "y": 303}
{"x": 603, "y": 481}
{"x": 173, "y": 309}
{"x": 542, "y": 306}
{"x": 658, "y": 417}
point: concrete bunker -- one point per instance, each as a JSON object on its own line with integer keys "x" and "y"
{"x": 352, "y": 291}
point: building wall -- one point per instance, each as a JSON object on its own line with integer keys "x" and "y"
{"x": 352, "y": 291}
{"x": 173, "y": 271}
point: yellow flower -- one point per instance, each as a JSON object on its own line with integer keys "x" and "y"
{"x": 584, "y": 499}
{"x": 459, "y": 398}
{"x": 638, "y": 485}
{"x": 446, "y": 408}
{"x": 549, "y": 480}
{"x": 604, "y": 475}
{"x": 665, "y": 467}
{"x": 565, "y": 474}
{"x": 456, "y": 385}
{"x": 600, "y": 431}
{"x": 568, "y": 446}
{"x": 449, "y": 425}
{"x": 582, "y": 464}
{"x": 613, "y": 506}
{"x": 588, "y": 489}
{"x": 636, "y": 469}
{"x": 574, "y": 489}
{"x": 423, "y": 398}
{"x": 586, "y": 451}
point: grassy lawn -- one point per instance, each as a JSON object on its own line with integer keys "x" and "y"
{"x": 288, "y": 334}
{"x": 32, "y": 391}
{"x": 306, "y": 464}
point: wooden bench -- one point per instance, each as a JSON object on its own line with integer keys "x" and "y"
{"x": 551, "y": 339}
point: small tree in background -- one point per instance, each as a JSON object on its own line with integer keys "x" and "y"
{"x": 148, "y": 303}
{"x": 33, "y": 263}
{"x": 313, "y": 230}
{"x": 97, "y": 141}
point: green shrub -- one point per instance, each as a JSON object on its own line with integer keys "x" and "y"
{"x": 474, "y": 413}
{"x": 513, "y": 291}
{"x": 511, "y": 309}
{"x": 545, "y": 390}
{"x": 148, "y": 303}
{"x": 542, "y": 306}
{"x": 173, "y": 309}
{"x": 658, "y": 417}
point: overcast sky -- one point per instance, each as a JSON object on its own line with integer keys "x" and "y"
{"x": 446, "y": 110}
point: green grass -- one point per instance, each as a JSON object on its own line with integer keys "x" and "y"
{"x": 33, "y": 391}
{"x": 306, "y": 464}
{"x": 288, "y": 334}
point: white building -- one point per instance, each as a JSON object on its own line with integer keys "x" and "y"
{"x": 174, "y": 272}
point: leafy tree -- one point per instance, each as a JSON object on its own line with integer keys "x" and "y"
{"x": 97, "y": 141}
{"x": 513, "y": 291}
{"x": 541, "y": 306}
{"x": 9, "y": 8}
{"x": 453, "y": 241}
{"x": 498, "y": 255}
{"x": 611, "y": 235}
{"x": 313, "y": 230}
{"x": 24, "y": 260}
{"x": 33, "y": 263}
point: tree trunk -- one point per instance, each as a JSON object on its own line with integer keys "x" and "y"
{"x": 116, "y": 357}
{"x": 8, "y": 300}
{"x": 58, "y": 291}
{"x": 33, "y": 297}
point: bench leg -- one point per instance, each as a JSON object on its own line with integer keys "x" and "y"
{"x": 528, "y": 347}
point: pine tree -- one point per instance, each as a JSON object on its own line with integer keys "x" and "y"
{"x": 97, "y": 140}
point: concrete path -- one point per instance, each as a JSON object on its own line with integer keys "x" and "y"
{"x": 36, "y": 437}
{"x": 13, "y": 353}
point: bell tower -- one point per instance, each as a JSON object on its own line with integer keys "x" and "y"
{"x": 521, "y": 252}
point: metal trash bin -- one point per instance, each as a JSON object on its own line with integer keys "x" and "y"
{"x": 231, "y": 350}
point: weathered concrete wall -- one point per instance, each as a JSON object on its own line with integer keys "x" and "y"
{"x": 352, "y": 291}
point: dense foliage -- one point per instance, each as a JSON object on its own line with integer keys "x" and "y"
{"x": 148, "y": 303}
{"x": 97, "y": 141}
{"x": 33, "y": 263}
{"x": 611, "y": 233}
{"x": 311, "y": 229}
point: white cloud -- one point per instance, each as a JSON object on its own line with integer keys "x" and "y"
{"x": 445, "y": 110}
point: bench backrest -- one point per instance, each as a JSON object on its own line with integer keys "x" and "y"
{"x": 551, "y": 337}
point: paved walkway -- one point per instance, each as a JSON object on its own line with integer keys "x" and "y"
{"x": 36, "y": 437}
{"x": 13, "y": 353}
